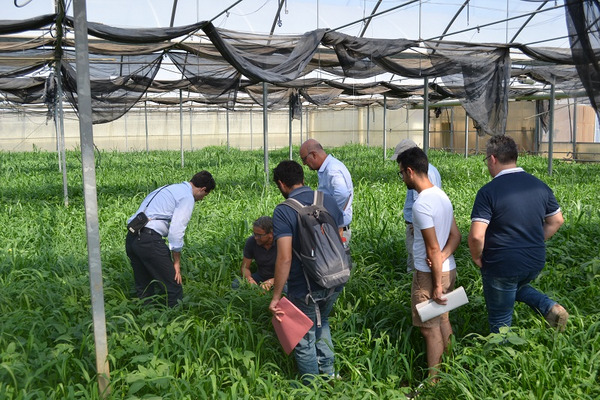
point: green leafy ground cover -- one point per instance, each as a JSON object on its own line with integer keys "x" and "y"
{"x": 219, "y": 343}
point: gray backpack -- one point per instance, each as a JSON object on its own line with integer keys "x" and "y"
{"x": 323, "y": 255}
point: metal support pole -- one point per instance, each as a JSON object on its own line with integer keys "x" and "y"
{"x": 368, "y": 124}
{"x": 307, "y": 124}
{"x": 290, "y": 131}
{"x": 181, "y": 125}
{"x": 452, "y": 129}
{"x": 426, "y": 115}
{"x": 61, "y": 125}
{"x": 251, "y": 131}
{"x": 536, "y": 136}
{"x": 574, "y": 151}
{"x": 301, "y": 127}
{"x": 227, "y": 117}
{"x": 57, "y": 129}
{"x": 191, "y": 129}
{"x": 466, "y": 134}
{"x": 84, "y": 99}
{"x": 146, "y": 122}
{"x": 551, "y": 127}
{"x": 265, "y": 132}
{"x": 384, "y": 127}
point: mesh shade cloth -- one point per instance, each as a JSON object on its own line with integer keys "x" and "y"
{"x": 227, "y": 68}
{"x": 115, "y": 86}
{"x": 479, "y": 78}
{"x": 583, "y": 24}
{"x": 266, "y": 58}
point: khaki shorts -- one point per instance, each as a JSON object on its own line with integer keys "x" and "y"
{"x": 422, "y": 289}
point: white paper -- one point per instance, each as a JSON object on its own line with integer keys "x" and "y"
{"x": 430, "y": 309}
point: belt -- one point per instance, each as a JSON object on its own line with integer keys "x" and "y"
{"x": 148, "y": 231}
{"x": 408, "y": 223}
{"x": 346, "y": 228}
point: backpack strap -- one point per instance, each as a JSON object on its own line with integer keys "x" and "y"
{"x": 318, "y": 198}
{"x": 293, "y": 203}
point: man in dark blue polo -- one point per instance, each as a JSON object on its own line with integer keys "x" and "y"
{"x": 512, "y": 217}
{"x": 314, "y": 354}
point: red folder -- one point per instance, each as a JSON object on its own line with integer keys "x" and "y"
{"x": 293, "y": 325}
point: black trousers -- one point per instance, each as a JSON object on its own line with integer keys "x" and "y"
{"x": 153, "y": 270}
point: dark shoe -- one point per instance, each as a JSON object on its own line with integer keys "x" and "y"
{"x": 557, "y": 317}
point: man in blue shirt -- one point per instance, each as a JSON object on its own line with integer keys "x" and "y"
{"x": 512, "y": 217}
{"x": 156, "y": 266}
{"x": 314, "y": 354}
{"x": 334, "y": 180}
{"x": 411, "y": 197}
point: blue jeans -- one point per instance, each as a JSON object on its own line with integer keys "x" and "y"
{"x": 314, "y": 354}
{"x": 501, "y": 293}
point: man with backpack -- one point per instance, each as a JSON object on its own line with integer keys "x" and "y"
{"x": 314, "y": 353}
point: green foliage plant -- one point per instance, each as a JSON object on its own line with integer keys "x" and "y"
{"x": 219, "y": 343}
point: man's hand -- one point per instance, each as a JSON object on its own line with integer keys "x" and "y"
{"x": 177, "y": 273}
{"x": 268, "y": 284}
{"x": 437, "y": 296}
{"x": 276, "y": 311}
{"x": 251, "y": 280}
{"x": 177, "y": 266}
{"x": 282, "y": 272}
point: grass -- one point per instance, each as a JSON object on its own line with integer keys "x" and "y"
{"x": 219, "y": 343}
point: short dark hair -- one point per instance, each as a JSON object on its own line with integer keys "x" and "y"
{"x": 203, "y": 179}
{"x": 265, "y": 223}
{"x": 503, "y": 148}
{"x": 415, "y": 158}
{"x": 289, "y": 172}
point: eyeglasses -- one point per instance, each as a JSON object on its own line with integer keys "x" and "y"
{"x": 487, "y": 158}
{"x": 304, "y": 158}
{"x": 260, "y": 235}
{"x": 401, "y": 172}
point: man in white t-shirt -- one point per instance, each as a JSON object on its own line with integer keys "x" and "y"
{"x": 411, "y": 197}
{"x": 436, "y": 238}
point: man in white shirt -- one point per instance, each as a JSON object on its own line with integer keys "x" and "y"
{"x": 411, "y": 197}
{"x": 436, "y": 238}
{"x": 156, "y": 266}
{"x": 334, "y": 180}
